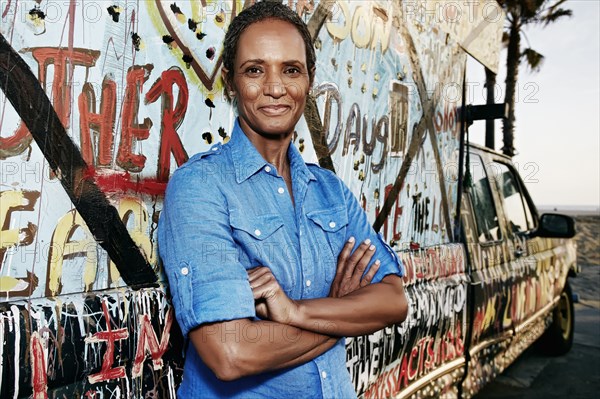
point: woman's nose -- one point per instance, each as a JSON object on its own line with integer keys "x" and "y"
{"x": 274, "y": 86}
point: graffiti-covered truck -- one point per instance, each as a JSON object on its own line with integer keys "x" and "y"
{"x": 101, "y": 101}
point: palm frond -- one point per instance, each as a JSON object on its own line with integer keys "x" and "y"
{"x": 533, "y": 58}
{"x": 554, "y": 6}
{"x": 553, "y": 16}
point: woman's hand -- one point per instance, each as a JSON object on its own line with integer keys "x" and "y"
{"x": 270, "y": 301}
{"x": 351, "y": 266}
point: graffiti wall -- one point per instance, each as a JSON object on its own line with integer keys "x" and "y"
{"x": 396, "y": 117}
{"x": 101, "y": 101}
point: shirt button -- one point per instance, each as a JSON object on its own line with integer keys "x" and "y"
{"x": 323, "y": 374}
{"x": 308, "y": 283}
{"x": 257, "y": 232}
{"x": 280, "y": 190}
{"x": 332, "y": 224}
{"x": 215, "y": 148}
{"x": 267, "y": 169}
{"x": 185, "y": 271}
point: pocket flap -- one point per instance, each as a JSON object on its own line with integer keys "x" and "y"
{"x": 331, "y": 219}
{"x": 259, "y": 227}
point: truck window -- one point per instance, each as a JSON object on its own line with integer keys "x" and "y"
{"x": 515, "y": 204}
{"x": 483, "y": 203}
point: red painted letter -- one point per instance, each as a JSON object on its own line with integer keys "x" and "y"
{"x": 171, "y": 118}
{"x": 132, "y": 131}
{"x": 147, "y": 342}
{"x": 109, "y": 336}
{"x": 102, "y": 122}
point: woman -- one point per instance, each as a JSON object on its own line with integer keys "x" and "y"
{"x": 259, "y": 246}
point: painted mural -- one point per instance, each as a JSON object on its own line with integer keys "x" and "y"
{"x": 102, "y": 100}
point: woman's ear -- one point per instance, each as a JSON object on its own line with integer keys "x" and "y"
{"x": 229, "y": 92}
{"x": 311, "y": 77}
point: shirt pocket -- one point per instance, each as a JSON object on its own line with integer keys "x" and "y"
{"x": 256, "y": 236}
{"x": 330, "y": 234}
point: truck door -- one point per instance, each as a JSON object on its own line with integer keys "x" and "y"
{"x": 532, "y": 259}
{"x": 491, "y": 280}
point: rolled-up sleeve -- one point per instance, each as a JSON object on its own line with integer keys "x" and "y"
{"x": 201, "y": 260}
{"x": 360, "y": 228}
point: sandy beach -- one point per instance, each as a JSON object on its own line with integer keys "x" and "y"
{"x": 588, "y": 239}
{"x": 587, "y": 284}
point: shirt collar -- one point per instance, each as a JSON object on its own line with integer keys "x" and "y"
{"x": 297, "y": 164}
{"x": 247, "y": 160}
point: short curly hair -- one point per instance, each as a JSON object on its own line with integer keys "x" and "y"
{"x": 260, "y": 12}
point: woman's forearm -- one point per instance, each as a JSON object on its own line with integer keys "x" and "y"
{"x": 363, "y": 311}
{"x": 238, "y": 348}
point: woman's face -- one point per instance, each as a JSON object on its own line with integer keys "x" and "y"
{"x": 270, "y": 78}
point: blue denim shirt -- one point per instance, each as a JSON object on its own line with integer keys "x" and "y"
{"x": 227, "y": 210}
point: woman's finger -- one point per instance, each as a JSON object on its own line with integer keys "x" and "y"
{"x": 363, "y": 262}
{"x": 262, "y": 280}
{"x": 341, "y": 266}
{"x": 359, "y": 252}
{"x": 262, "y": 292}
{"x": 344, "y": 255}
{"x": 256, "y": 272}
{"x": 261, "y": 308}
{"x": 263, "y": 283}
{"x": 359, "y": 259}
{"x": 367, "y": 278}
{"x": 355, "y": 258}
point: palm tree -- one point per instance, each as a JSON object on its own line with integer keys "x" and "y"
{"x": 520, "y": 13}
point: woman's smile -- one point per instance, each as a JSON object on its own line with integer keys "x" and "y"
{"x": 275, "y": 109}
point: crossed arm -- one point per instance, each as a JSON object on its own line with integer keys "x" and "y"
{"x": 295, "y": 332}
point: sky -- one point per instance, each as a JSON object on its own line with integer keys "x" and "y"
{"x": 557, "y": 135}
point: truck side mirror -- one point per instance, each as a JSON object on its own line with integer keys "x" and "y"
{"x": 554, "y": 225}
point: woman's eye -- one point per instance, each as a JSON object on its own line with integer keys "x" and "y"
{"x": 292, "y": 70}
{"x": 253, "y": 71}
